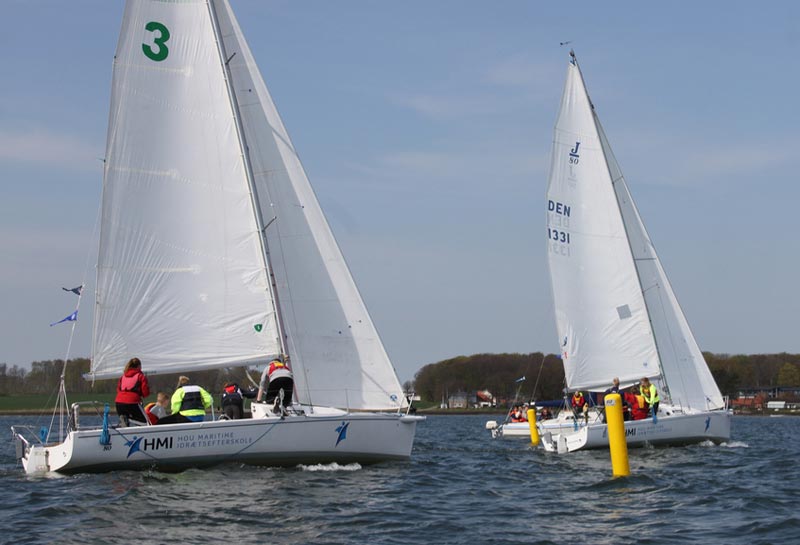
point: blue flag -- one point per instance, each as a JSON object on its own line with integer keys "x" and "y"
{"x": 521, "y": 379}
{"x": 76, "y": 291}
{"x": 71, "y": 318}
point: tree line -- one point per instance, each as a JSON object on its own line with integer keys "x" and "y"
{"x": 44, "y": 377}
{"x": 498, "y": 373}
{"x": 544, "y": 374}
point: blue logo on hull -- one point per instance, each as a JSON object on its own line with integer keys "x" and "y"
{"x": 708, "y": 423}
{"x": 134, "y": 445}
{"x": 342, "y": 432}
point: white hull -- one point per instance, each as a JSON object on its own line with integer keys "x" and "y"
{"x": 670, "y": 429}
{"x": 270, "y": 441}
{"x": 554, "y": 426}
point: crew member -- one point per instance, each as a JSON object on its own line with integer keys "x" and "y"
{"x": 276, "y": 377}
{"x": 650, "y": 394}
{"x": 159, "y": 409}
{"x": 131, "y": 388}
{"x": 189, "y": 403}
{"x": 233, "y": 400}
{"x": 578, "y": 402}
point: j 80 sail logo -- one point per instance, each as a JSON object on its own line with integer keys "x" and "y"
{"x": 574, "y": 156}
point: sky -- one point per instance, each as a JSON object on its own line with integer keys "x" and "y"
{"x": 425, "y": 129}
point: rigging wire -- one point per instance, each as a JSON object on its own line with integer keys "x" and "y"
{"x": 62, "y": 404}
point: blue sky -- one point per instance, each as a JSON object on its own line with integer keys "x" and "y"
{"x": 425, "y": 128}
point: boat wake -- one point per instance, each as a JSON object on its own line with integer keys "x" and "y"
{"x": 330, "y": 467}
{"x": 727, "y": 444}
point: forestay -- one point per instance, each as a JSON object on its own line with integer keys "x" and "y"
{"x": 181, "y": 277}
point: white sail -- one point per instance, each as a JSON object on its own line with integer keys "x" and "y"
{"x": 601, "y": 315}
{"x": 617, "y": 314}
{"x": 335, "y": 350}
{"x": 181, "y": 279}
{"x": 687, "y": 377}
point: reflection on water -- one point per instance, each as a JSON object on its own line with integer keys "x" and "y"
{"x": 461, "y": 486}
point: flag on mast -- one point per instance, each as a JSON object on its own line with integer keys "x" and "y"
{"x": 71, "y": 318}
{"x": 76, "y": 291}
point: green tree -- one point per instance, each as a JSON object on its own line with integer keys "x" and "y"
{"x": 789, "y": 375}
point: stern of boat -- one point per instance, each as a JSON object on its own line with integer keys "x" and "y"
{"x": 34, "y": 457}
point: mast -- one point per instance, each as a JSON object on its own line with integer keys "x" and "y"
{"x": 248, "y": 168}
{"x": 598, "y": 128}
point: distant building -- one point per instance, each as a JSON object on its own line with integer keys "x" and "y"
{"x": 484, "y": 398}
{"x": 772, "y": 392}
{"x": 457, "y": 400}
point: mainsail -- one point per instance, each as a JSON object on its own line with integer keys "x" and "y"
{"x": 181, "y": 278}
{"x": 616, "y": 313}
{"x": 334, "y": 347}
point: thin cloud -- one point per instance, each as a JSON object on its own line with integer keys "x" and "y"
{"x": 740, "y": 160}
{"x": 446, "y": 107}
{"x": 520, "y": 72}
{"x": 690, "y": 162}
{"x": 37, "y": 145}
{"x": 466, "y": 167}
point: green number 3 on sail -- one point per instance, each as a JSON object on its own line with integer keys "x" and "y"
{"x": 161, "y": 41}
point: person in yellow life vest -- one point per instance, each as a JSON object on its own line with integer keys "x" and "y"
{"x": 276, "y": 377}
{"x": 189, "y": 403}
{"x": 650, "y": 395}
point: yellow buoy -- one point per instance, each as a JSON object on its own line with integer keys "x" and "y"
{"x": 616, "y": 436}
{"x": 532, "y": 424}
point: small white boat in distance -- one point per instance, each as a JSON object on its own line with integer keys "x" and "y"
{"x": 214, "y": 252}
{"x": 616, "y": 313}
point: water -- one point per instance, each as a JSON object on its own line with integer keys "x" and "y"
{"x": 460, "y": 486}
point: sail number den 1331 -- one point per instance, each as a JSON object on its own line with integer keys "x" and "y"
{"x": 558, "y": 215}
{"x": 160, "y": 37}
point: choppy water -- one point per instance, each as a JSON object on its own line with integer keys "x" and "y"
{"x": 459, "y": 487}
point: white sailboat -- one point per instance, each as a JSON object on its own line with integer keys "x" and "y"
{"x": 616, "y": 313}
{"x": 214, "y": 253}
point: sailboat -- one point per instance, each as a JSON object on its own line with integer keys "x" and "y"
{"x": 616, "y": 313}
{"x": 214, "y": 253}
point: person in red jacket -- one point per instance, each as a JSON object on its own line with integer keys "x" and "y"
{"x": 629, "y": 402}
{"x": 578, "y": 402}
{"x": 132, "y": 387}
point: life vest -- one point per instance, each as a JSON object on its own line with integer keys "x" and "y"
{"x": 232, "y": 396}
{"x": 278, "y": 369}
{"x": 650, "y": 394}
{"x": 131, "y": 384}
{"x": 192, "y": 399}
{"x": 150, "y": 416}
{"x": 578, "y": 400}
